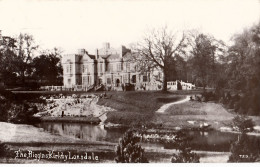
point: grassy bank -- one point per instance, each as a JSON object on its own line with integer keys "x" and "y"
{"x": 192, "y": 113}
{"x": 136, "y": 108}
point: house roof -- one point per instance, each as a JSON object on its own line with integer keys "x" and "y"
{"x": 91, "y": 56}
{"x": 113, "y": 56}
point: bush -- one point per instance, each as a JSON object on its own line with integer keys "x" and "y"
{"x": 4, "y": 151}
{"x": 208, "y": 96}
{"x": 128, "y": 151}
{"x": 243, "y": 123}
{"x": 231, "y": 104}
{"x": 182, "y": 143}
{"x": 236, "y": 106}
{"x": 243, "y": 150}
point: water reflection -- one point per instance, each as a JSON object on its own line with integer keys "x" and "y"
{"x": 206, "y": 141}
{"x": 212, "y": 140}
{"x": 85, "y": 132}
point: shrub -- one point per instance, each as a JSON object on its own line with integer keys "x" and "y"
{"x": 182, "y": 143}
{"x": 243, "y": 150}
{"x": 4, "y": 151}
{"x": 128, "y": 151}
{"x": 243, "y": 123}
{"x": 231, "y": 104}
{"x": 208, "y": 96}
{"x": 236, "y": 106}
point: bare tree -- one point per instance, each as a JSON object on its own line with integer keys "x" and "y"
{"x": 157, "y": 50}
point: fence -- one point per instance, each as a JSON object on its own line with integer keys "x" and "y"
{"x": 64, "y": 88}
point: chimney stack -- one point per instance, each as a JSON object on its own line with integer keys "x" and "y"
{"x": 81, "y": 51}
{"x": 97, "y": 56}
{"x": 106, "y": 45}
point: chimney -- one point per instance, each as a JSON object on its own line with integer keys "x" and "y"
{"x": 81, "y": 51}
{"x": 97, "y": 56}
{"x": 106, "y": 45}
{"x": 122, "y": 50}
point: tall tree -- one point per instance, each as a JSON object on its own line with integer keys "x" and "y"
{"x": 205, "y": 50}
{"x": 244, "y": 57}
{"x": 180, "y": 68}
{"x": 47, "y": 68}
{"x": 7, "y": 59}
{"x": 243, "y": 69}
{"x": 157, "y": 49}
{"x": 26, "y": 48}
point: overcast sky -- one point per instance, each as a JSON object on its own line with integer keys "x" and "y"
{"x": 87, "y": 24}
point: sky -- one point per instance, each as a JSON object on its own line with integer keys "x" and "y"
{"x": 75, "y": 24}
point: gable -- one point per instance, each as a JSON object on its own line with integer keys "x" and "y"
{"x": 88, "y": 57}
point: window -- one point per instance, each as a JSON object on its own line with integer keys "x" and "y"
{"x": 85, "y": 81}
{"x": 108, "y": 80}
{"x": 128, "y": 66}
{"x": 124, "y": 66}
{"x": 111, "y": 68}
{"x": 144, "y": 78}
{"x": 83, "y": 68}
{"x": 90, "y": 80}
{"x": 87, "y": 68}
{"x": 125, "y": 78}
{"x": 100, "y": 67}
{"x": 119, "y": 66}
{"x": 68, "y": 69}
{"x": 133, "y": 79}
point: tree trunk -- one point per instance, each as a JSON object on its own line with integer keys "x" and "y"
{"x": 164, "y": 89}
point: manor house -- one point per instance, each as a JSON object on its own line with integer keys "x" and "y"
{"x": 110, "y": 67}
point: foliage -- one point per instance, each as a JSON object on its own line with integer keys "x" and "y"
{"x": 243, "y": 69}
{"x": 48, "y": 69}
{"x": 181, "y": 69}
{"x": 15, "y": 111}
{"x": 205, "y": 51}
{"x": 244, "y": 150}
{"x": 185, "y": 155}
{"x": 128, "y": 151}
{"x": 8, "y": 58}
{"x": 20, "y": 66}
{"x": 4, "y": 150}
{"x": 26, "y": 48}
{"x": 243, "y": 123}
{"x": 244, "y": 57}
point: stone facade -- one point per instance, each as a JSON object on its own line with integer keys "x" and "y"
{"x": 110, "y": 67}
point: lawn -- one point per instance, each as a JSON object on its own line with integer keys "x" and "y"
{"x": 139, "y": 108}
{"x": 193, "y": 113}
{"x": 136, "y": 108}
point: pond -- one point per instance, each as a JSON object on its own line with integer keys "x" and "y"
{"x": 203, "y": 141}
